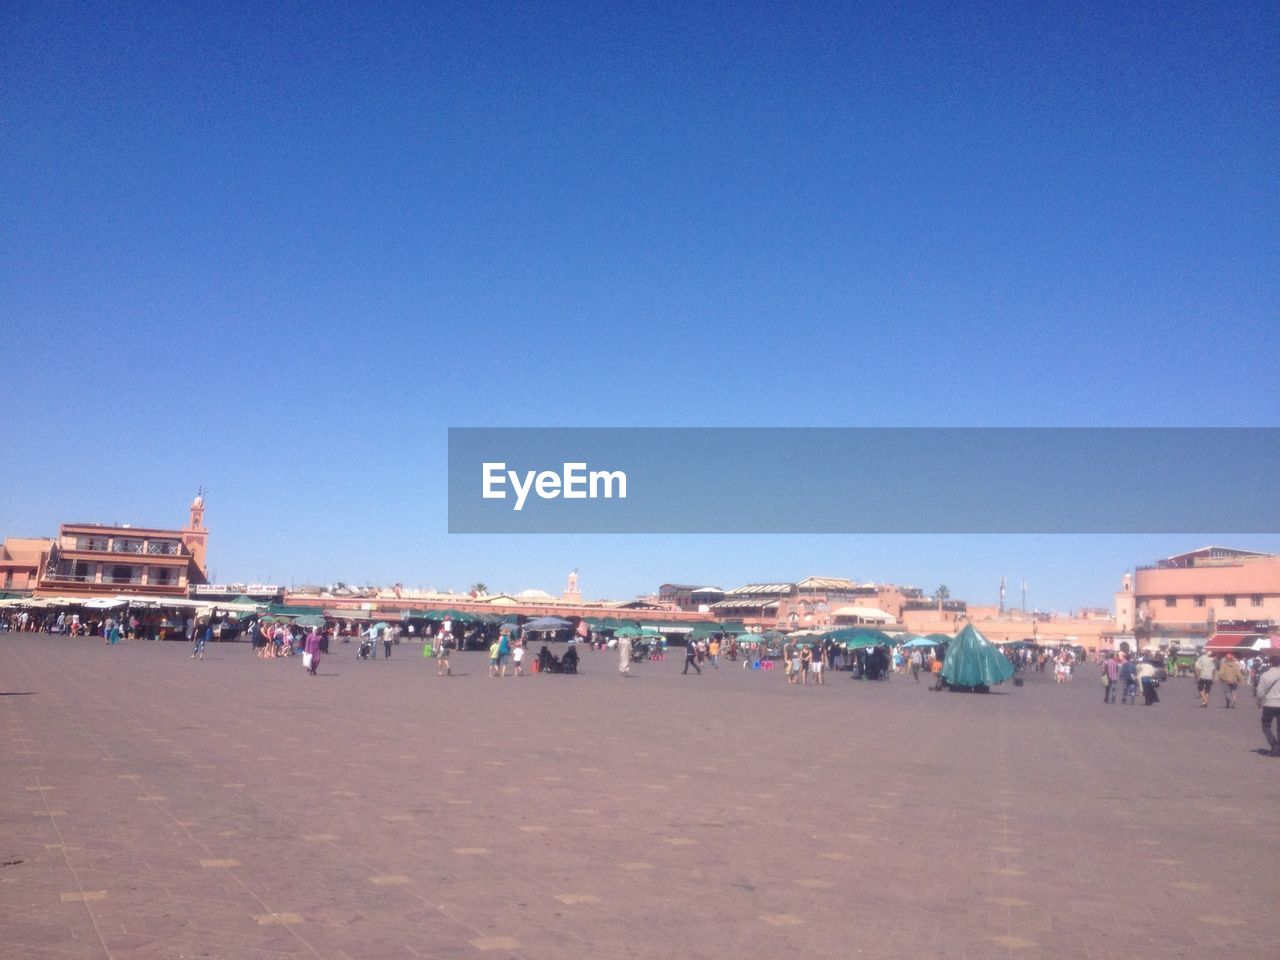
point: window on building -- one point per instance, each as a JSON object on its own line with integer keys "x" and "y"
{"x": 1256, "y": 600}
{"x": 161, "y": 576}
{"x": 122, "y": 574}
{"x": 1228, "y": 601}
{"x": 1170, "y": 601}
{"x": 1199, "y": 601}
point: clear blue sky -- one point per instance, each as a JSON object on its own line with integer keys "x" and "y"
{"x": 278, "y": 249}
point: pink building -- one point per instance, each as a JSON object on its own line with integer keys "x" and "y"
{"x": 21, "y": 560}
{"x": 1196, "y": 593}
{"x": 93, "y": 560}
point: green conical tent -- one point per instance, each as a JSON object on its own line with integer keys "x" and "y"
{"x": 974, "y": 661}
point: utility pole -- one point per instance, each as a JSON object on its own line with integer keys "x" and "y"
{"x": 1002, "y": 593}
{"x": 1024, "y": 596}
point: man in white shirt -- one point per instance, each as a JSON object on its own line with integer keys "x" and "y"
{"x": 1268, "y": 696}
{"x": 1205, "y": 669}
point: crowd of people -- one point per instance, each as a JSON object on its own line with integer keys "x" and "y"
{"x": 1124, "y": 675}
{"x": 135, "y": 623}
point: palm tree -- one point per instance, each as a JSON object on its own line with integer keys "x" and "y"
{"x": 479, "y": 589}
{"x": 942, "y": 593}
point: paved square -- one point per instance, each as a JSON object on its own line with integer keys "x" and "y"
{"x": 154, "y": 806}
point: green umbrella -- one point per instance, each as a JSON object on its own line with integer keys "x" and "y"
{"x": 310, "y": 621}
{"x": 854, "y": 637}
{"x": 457, "y": 615}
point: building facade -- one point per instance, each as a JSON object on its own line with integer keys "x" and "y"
{"x": 21, "y": 560}
{"x": 685, "y": 597}
{"x": 1195, "y": 594}
{"x": 90, "y": 559}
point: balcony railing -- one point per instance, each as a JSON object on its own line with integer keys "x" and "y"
{"x": 126, "y": 546}
{"x": 70, "y": 577}
{"x": 163, "y": 548}
{"x": 90, "y": 544}
{"x": 133, "y": 579}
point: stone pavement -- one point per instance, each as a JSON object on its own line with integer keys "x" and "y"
{"x": 152, "y": 806}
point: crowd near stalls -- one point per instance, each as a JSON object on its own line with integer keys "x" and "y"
{"x": 134, "y": 617}
{"x": 966, "y": 661}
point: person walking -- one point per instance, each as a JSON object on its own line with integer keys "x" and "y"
{"x": 386, "y": 643}
{"x": 917, "y": 661}
{"x": 624, "y": 656}
{"x": 790, "y": 660}
{"x": 1128, "y": 680}
{"x": 1229, "y": 675}
{"x": 1268, "y": 696}
{"x": 443, "y": 643}
{"x": 806, "y": 661}
{"x": 1111, "y": 673}
{"x": 713, "y": 652}
{"x": 1205, "y": 669}
{"x": 311, "y": 652}
{"x": 1147, "y": 677}
{"x": 819, "y": 665}
{"x": 691, "y": 657}
{"x": 517, "y": 658}
{"x": 203, "y": 635}
{"x": 504, "y": 649}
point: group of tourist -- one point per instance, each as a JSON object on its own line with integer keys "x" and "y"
{"x": 1122, "y": 674}
{"x": 1229, "y": 672}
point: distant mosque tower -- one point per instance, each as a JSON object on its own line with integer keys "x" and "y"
{"x": 197, "y": 511}
{"x": 194, "y": 534}
{"x": 571, "y": 592}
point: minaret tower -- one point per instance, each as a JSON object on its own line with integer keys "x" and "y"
{"x": 196, "y": 539}
{"x": 571, "y": 592}
{"x": 197, "y": 511}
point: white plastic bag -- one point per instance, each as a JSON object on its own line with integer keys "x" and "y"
{"x": 306, "y": 661}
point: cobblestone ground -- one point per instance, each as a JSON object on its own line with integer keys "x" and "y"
{"x": 154, "y": 806}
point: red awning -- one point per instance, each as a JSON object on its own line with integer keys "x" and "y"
{"x": 1230, "y": 641}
